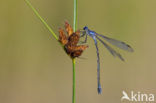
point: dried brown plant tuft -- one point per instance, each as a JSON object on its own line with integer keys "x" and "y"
{"x": 70, "y": 42}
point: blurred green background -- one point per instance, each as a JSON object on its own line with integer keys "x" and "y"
{"x": 35, "y": 69}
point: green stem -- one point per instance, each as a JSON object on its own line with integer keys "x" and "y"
{"x": 73, "y": 60}
{"x": 38, "y": 15}
{"x": 74, "y": 88}
{"x": 75, "y": 16}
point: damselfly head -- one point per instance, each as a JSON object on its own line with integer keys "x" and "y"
{"x": 85, "y": 28}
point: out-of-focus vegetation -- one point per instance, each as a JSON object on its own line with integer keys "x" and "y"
{"x": 35, "y": 69}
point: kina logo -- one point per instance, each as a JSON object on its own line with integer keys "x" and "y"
{"x": 137, "y": 97}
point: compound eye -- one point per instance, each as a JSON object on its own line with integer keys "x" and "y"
{"x": 85, "y": 28}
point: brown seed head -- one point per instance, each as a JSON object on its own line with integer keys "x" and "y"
{"x": 70, "y": 42}
{"x": 62, "y": 37}
{"x": 73, "y": 39}
{"x": 68, "y": 28}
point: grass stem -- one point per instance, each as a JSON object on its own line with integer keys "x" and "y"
{"x": 73, "y": 60}
{"x": 74, "y": 82}
{"x": 75, "y": 16}
{"x": 38, "y": 15}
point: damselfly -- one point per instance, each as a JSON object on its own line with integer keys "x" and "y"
{"x": 95, "y": 36}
